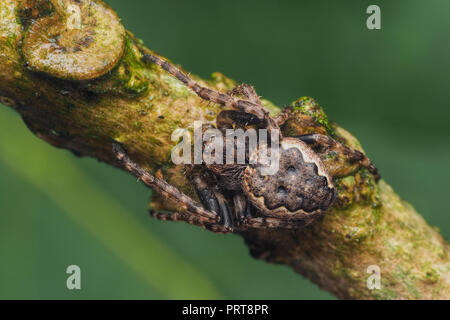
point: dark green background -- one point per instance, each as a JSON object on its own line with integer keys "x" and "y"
{"x": 390, "y": 88}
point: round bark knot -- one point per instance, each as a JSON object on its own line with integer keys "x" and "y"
{"x": 300, "y": 189}
{"x": 81, "y": 40}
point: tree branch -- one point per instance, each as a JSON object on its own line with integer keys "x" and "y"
{"x": 140, "y": 105}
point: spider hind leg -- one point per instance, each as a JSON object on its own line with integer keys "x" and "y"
{"x": 352, "y": 154}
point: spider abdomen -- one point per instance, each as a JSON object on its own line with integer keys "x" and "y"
{"x": 300, "y": 189}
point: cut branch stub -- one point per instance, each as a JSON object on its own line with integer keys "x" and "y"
{"x": 81, "y": 40}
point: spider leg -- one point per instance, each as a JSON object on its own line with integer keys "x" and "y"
{"x": 225, "y": 214}
{"x": 247, "y": 91}
{"x": 222, "y": 99}
{"x": 195, "y": 220}
{"x": 354, "y": 155}
{"x": 190, "y": 206}
{"x": 240, "y": 207}
{"x": 274, "y": 223}
{"x": 249, "y": 210}
{"x": 211, "y": 197}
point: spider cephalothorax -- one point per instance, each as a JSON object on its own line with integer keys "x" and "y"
{"x": 239, "y": 196}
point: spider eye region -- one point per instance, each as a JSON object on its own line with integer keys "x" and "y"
{"x": 301, "y": 187}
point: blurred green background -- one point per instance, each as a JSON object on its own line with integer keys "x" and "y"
{"x": 389, "y": 87}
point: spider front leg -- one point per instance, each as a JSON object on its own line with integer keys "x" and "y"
{"x": 242, "y": 208}
{"x": 229, "y": 119}
{"x": 247, "y": 91}
{"x": 194, "y": 212}
{"x": 207, "y": 94}
{"x": 331, "y": 144}
{"x": 210, "y": 195}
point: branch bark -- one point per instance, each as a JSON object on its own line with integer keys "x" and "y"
{"x": 140, "y": 105}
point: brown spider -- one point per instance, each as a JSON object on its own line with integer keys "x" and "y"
{"x": 237, "y": 197}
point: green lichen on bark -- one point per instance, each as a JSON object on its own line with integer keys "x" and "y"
{"x": 139, "y": 105}
{"x": 313, "y": 120}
